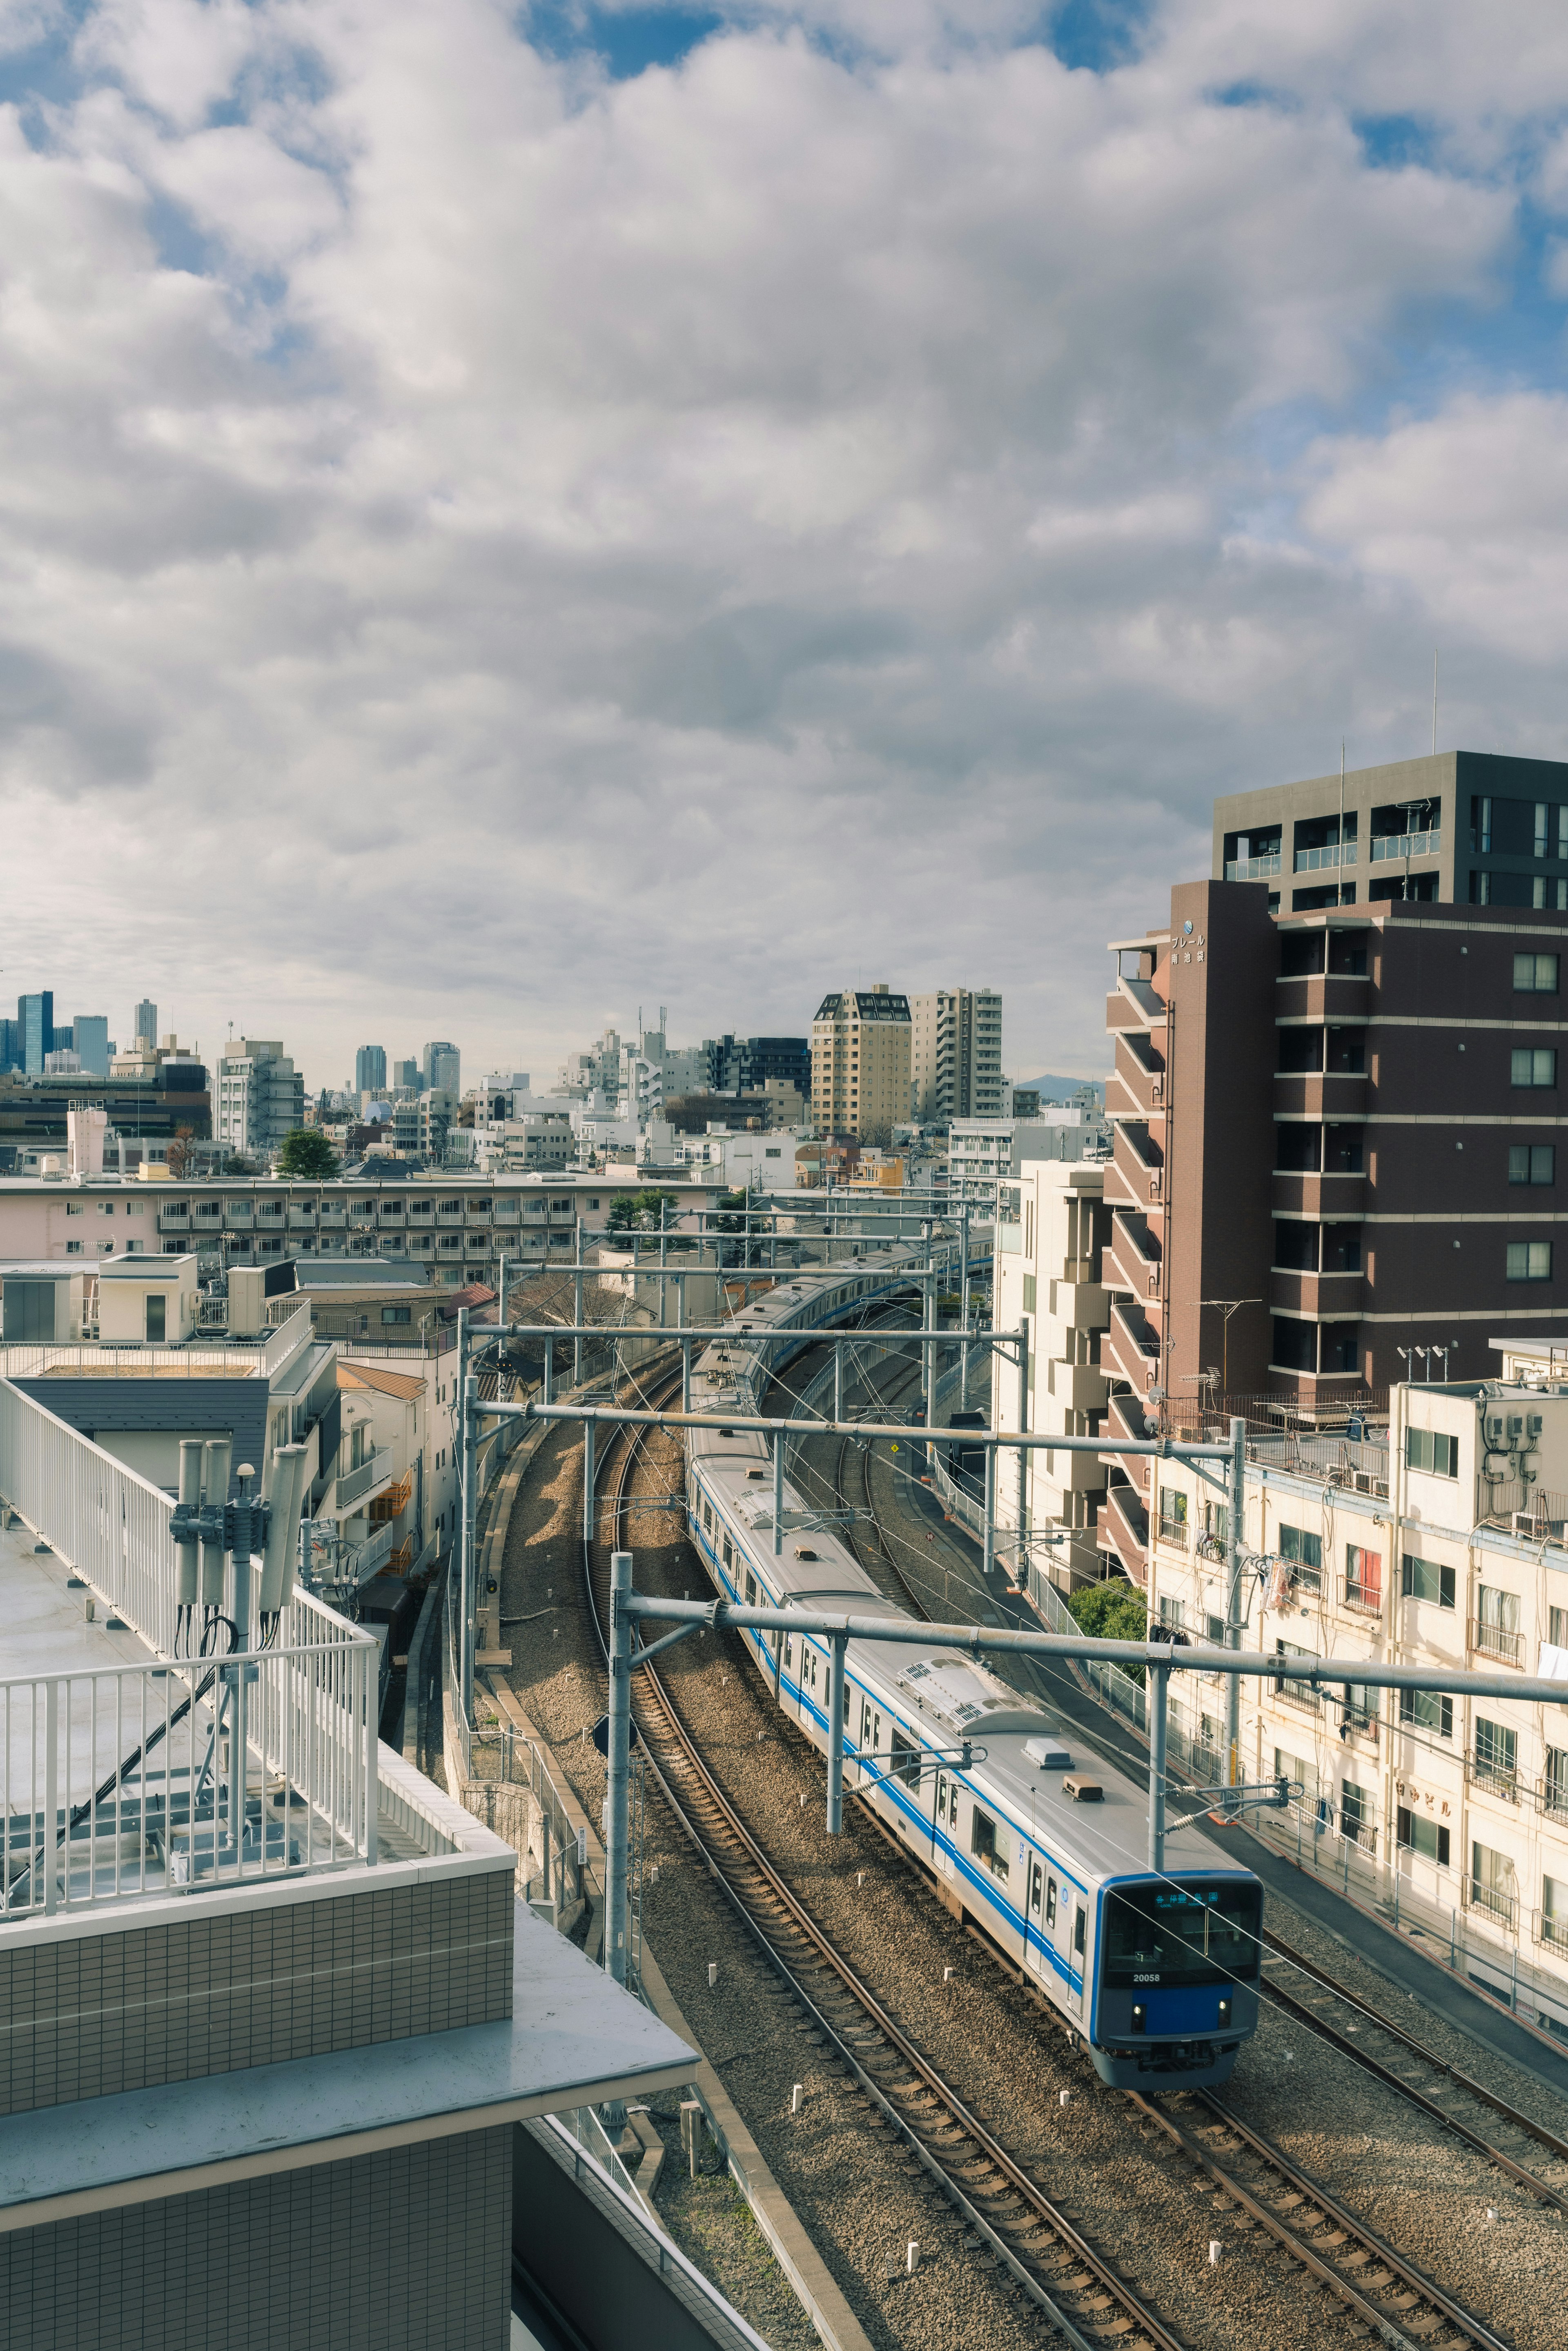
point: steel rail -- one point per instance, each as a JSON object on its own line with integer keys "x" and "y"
{"x": 1426, "y": 2056}
{"x": 1085, "y": 2333}
{"x": 1363, "y": 2298}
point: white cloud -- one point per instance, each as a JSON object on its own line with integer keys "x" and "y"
{"x": 481, "y": 544}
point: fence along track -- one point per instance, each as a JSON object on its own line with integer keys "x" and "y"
{"x": 1078, "y": 2289}
{"x": 1306, "y": 2013}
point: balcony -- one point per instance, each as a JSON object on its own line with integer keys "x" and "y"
{"x": 1125, "y": 1417}
{"x": 1174, "y": 1533}
{"x": 302, "y": 1220}
{"x": 1498, "y": 1643}
{"x": 372, "y": 1473}
{"x": 1320, "y": 1093}
{"x": 335, "y": 1218}
{"x": 1493, "y": 1901}
{"x": 1134, "y": 1260}
{"x": 1401, "y": 845}
{"x": 1253, "y": 869}
{"x": 1319, "y": 860}
{"x": 1333, "y": 1197}
{"x": 1130, "y": 1346}
{"x": 1332, "y": 1297}
{"x": 173, "y": 1220}
{"x": 1499, "y": 1780}
{"x": 395, "y": 1501}
{"x": 1124, "y": 1525}
{"x": 1320, "y": 995}
{"x": 1077, "y": 1387}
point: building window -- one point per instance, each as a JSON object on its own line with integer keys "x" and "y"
{"x": 1427, "y": 1449}
{"x": 1535, "y": 975}
{"x": 73, "y": 1249}
{"x": 1305, "y": 1553}
{"x": 397, "y": 1314}
{"x": 1496, "y": 1629}
{"x": 1356, "y": 1814}
{"x": 1497, "y": 1754}
{"x": 1530, "y": 1261}
{"x": 1534, "y": 1065}
{"x": 1363, "y": 1577}
{"x": 1424, "y": 1579}
{"x": 1418, "y": 1835}
{"x": 1171, "y": 1613}
{"x": 1173, "y": 1515}
{"x": 1531, "y": 1163}
{"x": 106, "y": 1208}
{"x": 73, "y": 1209}
{"x": 1428, "y": 1710}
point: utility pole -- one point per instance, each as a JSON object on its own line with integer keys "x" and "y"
{"x": 621, "y": 1634}
{"x": 1234, "y": 1540}
{"x": 467, "y": 1391}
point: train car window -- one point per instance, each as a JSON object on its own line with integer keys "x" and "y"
{"x": 1181, "y": 1934}
{"x": 941, "y": 1795}
{"x": 1036, "y": 1887}
{"x": 983, "y": 1844}
{"x": 1078, "y": 1931}
{"x": 788, "y": 1652}
{"x": 906, "y": 1758}
{"x": 865, "y": 1722}
{"x": 707, "y": 1519}
{"x": 1051, "y": 1901}
{"x": 728, "y": 1554}
{"x": 750, "y": 1589}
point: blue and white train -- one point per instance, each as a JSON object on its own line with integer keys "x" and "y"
{"x": 1157, "y": 1974}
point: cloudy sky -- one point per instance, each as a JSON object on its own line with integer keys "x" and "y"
{"x": 509, "y": 514}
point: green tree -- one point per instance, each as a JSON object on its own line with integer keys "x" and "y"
{"x": 639, "y": 1211}
{"x": 1111, "y": 1611}
{"x": 304, "y": 1151}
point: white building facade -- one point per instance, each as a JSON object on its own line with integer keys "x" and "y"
{"x": 259, "y": 1097}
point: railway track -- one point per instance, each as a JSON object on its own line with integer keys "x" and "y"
{"x": 1316, "y": 2004}
{"x": 1077, "y": 2288}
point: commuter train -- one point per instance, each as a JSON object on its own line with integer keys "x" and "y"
{"x": 1156, "y": 1974}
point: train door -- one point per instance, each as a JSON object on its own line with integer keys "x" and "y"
{"x": 1034, "y": 1911}
{"x": 1076, "y": 1957}
{"x": 776, "y": 1638}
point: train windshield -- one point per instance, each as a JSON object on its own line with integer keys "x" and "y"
{"x": 1181, "y": 1934}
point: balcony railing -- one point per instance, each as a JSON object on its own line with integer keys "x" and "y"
{"x": 1552, "y": 1795}
{"x": 1315, "y": 861}
{"x": 1407, "y": 844}
{"x": 1496, "y": 1641}
{"x": 1174, "y": 1530}
{"x": 1367, "y": 1597}
{"x": 358, "y": 1482}
{"x": 1359, "y": 1834}
{"x": 1551, "y": 1929}
{"x": 1493, "y": 1899}
{"x": 1252, "y": 869}
{"x": 1493, "y": 1779}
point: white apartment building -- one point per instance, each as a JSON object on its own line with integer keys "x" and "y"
{"x": 1441, "y": 1540}
{"x": 1051, "y": 1226}
{"x": 259, "y": 1097}
{"x": 982, "y": 1153}
{"x": 956, "y": 1054}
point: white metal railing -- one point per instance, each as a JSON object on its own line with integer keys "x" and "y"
{"x": 370, "y": 1472}
{"x": 1313, "y": 861}
{"x": 362, "y": 1564}
{"x": 314, "y": 1711}
{"x": 132, "y": 1781}
{"x": 31, "y": 1361}
{"x": 1252, "y": 869}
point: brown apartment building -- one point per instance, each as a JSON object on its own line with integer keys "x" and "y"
{"x": 1336, "y": 1156}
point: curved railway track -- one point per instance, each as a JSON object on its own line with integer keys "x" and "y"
{"x": 1076, "y": 2287}
{"x": 1080, "y": 2289}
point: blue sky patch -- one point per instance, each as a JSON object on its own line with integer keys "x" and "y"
{"x": 628, "y": 40}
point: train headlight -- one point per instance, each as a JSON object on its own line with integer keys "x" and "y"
{"x": 1140, "y": 2017}
{"x": 1225, "y": 2010}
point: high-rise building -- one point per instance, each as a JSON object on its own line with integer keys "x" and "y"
{"x": 89, "y": 1036}
{"x": 1335, "y": 1156}
{"x": 10, "y": 1045}
{"x": 147, "y": 1023}
{"x": 956, "y": 1054}
{"x": 743, "y": 1065}
{"x": 441, "y": 1069}
{"x": 35, "y": 1020}
{"x": 260, "y": 1097}
{"x": 370, "y": 1070}
{"x": 860, "y": 1063}
{"x": 406, "y": 1076}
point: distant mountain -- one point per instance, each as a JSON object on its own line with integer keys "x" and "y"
{"x": 1062, "y": 1088}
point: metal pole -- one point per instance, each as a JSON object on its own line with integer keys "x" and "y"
{"x": 835, "y": 1736}
{"x": 1234, "y": 1531}
{"x": 989, "y": 1553}
{"x": 1159, "y": 1677}
{"x": 685, "y": 1375}
{"x": 777, "y": 1492}
{"x": 588, "y": 1481}
{"x": 1022, "y": 1568}
{"x": 550, "y": 1371}
{"x": 470, "y": 1538}
{"x": 837, "y": 1381}
{"x": 664, "y": 1245}
{"x": 577, "y": 1312}
{"x": 622, "y": 1633}
{"x": 964, "y": 1308}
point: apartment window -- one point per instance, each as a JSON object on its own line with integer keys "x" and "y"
{"x": 397, "y": 1314}
{"x": 106, "y": 1208}
{"x": 1424, "y": 1579}
{"x": 1428, "y": 1448}
{"x": 1554, "y": 1911}
{"x": 1534, "y": 1065}
{"x": 1355, "y": 1813}
{"x": 1418, "y": 1835}
{"x": 1214, "y": 1631}
{"x": 1173, "y": 1514}
{"x": 1557, "y": 1627}
{"x": 1363, "y": 1577}
{"x": 1030, "y": 1286}
{"x": 1302, "y": 1693}
{"x": 1428, "y": 1710}
{"x": 73, "y": 1249}
{"x": 1535, "y": 975}
{"x": 1216, "y": 1522}
{"x": 1496, "y": 1633}
{"x": 1530, "y": 1261}
{"x": 1171, "y": 1613}
{"x": 1305, "y": 1553}
{"x": 1497, "y": 1753}
{"x": 1531, "y": 1163}
{"x": 73, "y": 1207}
{"x": 1554, "y": 1785}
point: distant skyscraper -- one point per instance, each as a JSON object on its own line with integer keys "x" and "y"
{"x": 405, "y": 1075}
{"x": 90, "y": 1035}
{"x": 442, "y": 1063}
{"x": 370, "y": 1070}
{"x": 35, "y": 1020}
{"x": 147, "y": 1023}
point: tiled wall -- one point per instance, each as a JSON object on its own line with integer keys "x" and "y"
{"x": 83, "y": 2016}
{"x": 407, "y": 2250}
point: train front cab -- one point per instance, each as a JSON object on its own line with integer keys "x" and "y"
{"x": 1177, "y": 1966}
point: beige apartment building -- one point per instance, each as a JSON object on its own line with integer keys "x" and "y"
{"x": 860, "y": 1063}
{"x": 956, "y": 1054}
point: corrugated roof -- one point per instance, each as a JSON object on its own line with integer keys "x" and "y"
{"x": 370, "y": 1375}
